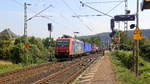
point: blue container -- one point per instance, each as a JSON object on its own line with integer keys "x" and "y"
{"x": 87, "y": 47}
{"x": 77, "y": 47}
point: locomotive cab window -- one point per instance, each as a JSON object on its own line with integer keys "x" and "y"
{"x": 62, "y": 43}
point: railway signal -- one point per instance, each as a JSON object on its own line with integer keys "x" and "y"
{"x": 112, "y": 24}
{"x": 50, "y": 28}
{"x": 145, "y": 4}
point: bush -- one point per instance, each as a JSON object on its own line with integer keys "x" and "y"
{"x": 5, "y": 53}
{"x": 14, "y": 50}
{"x": 35, "y": 52}
{"x": 124, "y": 75}
{"x": 5, "y": 48}
{"x": 123, "y": 72}
{"x": 17, "y": 53}
{"x": 145, "y": 48}
{"x": 49, "y": 42}
{"x": 125, "y": 58}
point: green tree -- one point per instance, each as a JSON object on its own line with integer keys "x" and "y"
{"x": 35, "y": 52}
{"x": 14, "y": 50}
{"x": 125, "y": 43}
{"x": 5, "y": 47}
{"x": 20, "y": 40}
{"x": 37, "y": 42}
{"x": 93, "y": 40}
{"x": 49, "y": 42}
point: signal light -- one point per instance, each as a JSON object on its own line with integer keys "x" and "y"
{"x": 132, "y": 26}
{"x": 128, "y": 11}
{"x": 49, "y": 27}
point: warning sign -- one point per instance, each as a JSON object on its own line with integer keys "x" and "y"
{"x": 137, "y": 34}
{"x": 137, "y": 31}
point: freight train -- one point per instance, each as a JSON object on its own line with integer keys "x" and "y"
{"x": 71, "y": 47}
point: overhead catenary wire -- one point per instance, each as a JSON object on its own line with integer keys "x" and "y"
{"x": 114, "y": 7}
{"x": 39, "y": 12}
{"x": 64, "y": 18}
{"x": 76, "y": 15}
{"x": 49, "y": 18}
{"x": 36, "y": 14}
{"x": 15, "y": 1}
{"x": 96, "y": 9}
{"x": 40, "y": 15}
{"x": 55, "y": 22}
{"x": 86, "y": 15}
{"x": 104, "y": 2}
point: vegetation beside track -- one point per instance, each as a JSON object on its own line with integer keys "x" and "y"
{"x": 145, "y": 49}
{"x": 15, "y": 51}
{"x": 123, "y": 68}
{"x": 7, "y": 65}
{"x": 5, "y": 68}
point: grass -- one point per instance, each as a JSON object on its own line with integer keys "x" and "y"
{"x": 8, "y": 66}
{"x": 2, "y": 62}
{"x": 126, "y": 76}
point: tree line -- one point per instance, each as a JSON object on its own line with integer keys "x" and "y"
{"x": 15, "y": 50}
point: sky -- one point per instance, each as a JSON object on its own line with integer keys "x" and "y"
{"x": 61, "y": 16}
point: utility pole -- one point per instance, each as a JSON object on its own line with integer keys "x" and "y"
{"x": 137, "y": 41}
{"x": 25, "y": 27}
{"x": 25, "y": 18}
{"x": 126, "y": 13}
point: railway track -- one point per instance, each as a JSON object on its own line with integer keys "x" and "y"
{"x": 17, "y": 75}
{"x": 68, "y": 74}
{"x": 52, "y": 72}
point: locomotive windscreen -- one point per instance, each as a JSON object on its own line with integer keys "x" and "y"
{"x": 62, "y": 43}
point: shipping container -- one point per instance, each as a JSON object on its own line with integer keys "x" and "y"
{"x": 87, "y": 47}
{"x": 77, "y": 47}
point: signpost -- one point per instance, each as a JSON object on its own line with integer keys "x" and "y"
{"x": 137, "y": 35}
{"x": 124, "y": 18}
